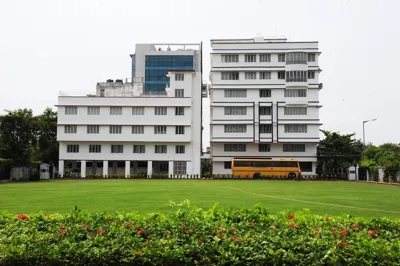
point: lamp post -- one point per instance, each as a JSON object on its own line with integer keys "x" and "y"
{"x": 366, "y": 121}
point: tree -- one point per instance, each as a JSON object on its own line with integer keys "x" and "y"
{"x": 338, "y": 151}
{"x": 18, "y": 136}
{"x": 47, "y": 148}
{"x": 386, "y": 155}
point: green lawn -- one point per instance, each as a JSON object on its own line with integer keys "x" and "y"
{"x": 154, "y": 195}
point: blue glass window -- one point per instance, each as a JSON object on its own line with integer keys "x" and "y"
{"x": 157, "y": 66}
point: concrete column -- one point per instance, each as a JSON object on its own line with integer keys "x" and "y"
{"x": 171, "y": 167}
{"x": 127, "y": 168}
{"x": 61, "y": 168}
{"x": 83, "y": 168}
{"x": 105, "y": 168}
{"x": 149, "y": 168}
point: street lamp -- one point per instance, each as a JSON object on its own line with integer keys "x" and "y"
{"x": 366, "y": 121}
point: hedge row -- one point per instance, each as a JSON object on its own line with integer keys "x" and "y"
{"x": 193, "y": 236}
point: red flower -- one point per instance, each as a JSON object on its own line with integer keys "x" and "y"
{"x": 219, "y": 229}
{"x": 62, "y": 231}
{"x": 356, "y": 226}
{"x": 120, "y": 222}
{"x": 275, "y": 230}
{"x": 129, "y": 224}
{"x": 327, "y": 219}
{"x": 343, "y": 233}
{"x": 211, "y": 233}
{"x": 165, "y": 243}
{"x": 139, "y": 232}
{"x": 291, "y": 216}
{"x": 235, "y": 239}
{"x": 251, "y": 223}
{"x": 371, "y": 233}
{"x": 139, "y": 253}
{"x": 85, "y": 225}
{"x": 316, "y": 229}
{"x": 100, "y": 232}
{"x": 188, "y": 233}
{"x": 183, "y": 226}
{"x": 193, "y": 227}
{"x": 22, "y": 217}
{"x": 219, "y": 236}
{"x": 201, "y": 240}
{"x": 292, "y": 225}
{"x": 343, "y": 244}
{"x": 169, "y": 235}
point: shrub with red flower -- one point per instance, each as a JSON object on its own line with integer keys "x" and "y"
{"x": 371, "y": 233}
{"x": 129, "y": 224}
{"x": 169, "y": 235}
{"x": 211, "y": 233}
{"x": 188, "y": 233}
{"x": 201, "y": 240}
{"x": 22, "y": 217}
{"x": 316, "y": 230}
{"x": 292, "y": 225}
{"x": 356, "y": 226}
{"x": 327, "y": 219}
{"x": 343, "y": 233}
{"x": 100, "y": 232}
{"x": 62, "y": 231}
{"x": 291, "y": 216}
{"x": 251, "y": 223}
{"x": 235, "y": 239}
{"x": 343, "y": 244}
{"x": 166, "y": 243}
{"x": 139, "y": 232}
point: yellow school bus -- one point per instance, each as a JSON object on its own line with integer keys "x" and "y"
{"x": 262, "y": 168}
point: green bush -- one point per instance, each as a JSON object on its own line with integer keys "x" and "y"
{"x": 193, "y": 236}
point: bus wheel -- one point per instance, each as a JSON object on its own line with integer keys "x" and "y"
{"x": 256, "y": 176}
{"x": 292, "y": 176}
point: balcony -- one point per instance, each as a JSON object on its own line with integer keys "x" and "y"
{"x": 296, "y": 59}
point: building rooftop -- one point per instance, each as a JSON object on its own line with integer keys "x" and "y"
{"x": 256, "y": 40}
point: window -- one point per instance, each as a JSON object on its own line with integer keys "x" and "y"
{"x": 296, "y": 76}
{"x": 281, "y": 74}
{"x": 179, "y": 76}
{"x": 250, "y": 75}
{"x": 160, "y": 130}
{"x": 235, "y": 93}
{"x": 179, "y": 111}
{"x": 295, "y": 128}
{"x": 94, "y": 148}
{"x": 311, "y": 74}
{"x": 295, "y": 111}
{"x": 160, "y": 148}
{"x": 265, "y": 93}
{"x": 266, "y": 128}
{"x": 93, "y": 129}
{"x": 265, "y": 58}
{"x": 179, "y": 93}
{"x": 230, "y": 75}
{"x": 265, "y": 75}
{"x": 139, "y": 149}
{"x": 137, "y": 129}
{"x": 295, "y": 93}
{"x": 235, "y": 128}
{"x": 93, "y": 110}
{"x": 248, "y": 58}
{"x": 311, "y": 58}
{"x": 179, "y": 149}
{"x": 264, "y": 147}
{"x": 179, "y": 168}
{"x": 71, "y": 110}
{"x": 115, "y": 110}
{"x": 137, "y": 110}
{"x": 281, "y": 57}
{"x": 234, "y": 147}
{"x": 179, "y": 130}
{"x": 296, "y": 58}
{"x": 265, "y": 110}
{"x": 294, "y": 147}
{"x": 228, "y": 165}
{"x": 160, "y": 111}
{"x": 70, "y": 129}
{"x": 305, "y": 166}
{"x": 72, "y": 148}
{"x": 117, "y": 148}
{"x": 229, "y": 58}
{"x": 230, "y": 110}
{"x": 115, "y": 129}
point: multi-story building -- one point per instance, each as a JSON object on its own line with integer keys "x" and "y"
{"x": 264, "y": 101}
{"x": 150, "y": 124}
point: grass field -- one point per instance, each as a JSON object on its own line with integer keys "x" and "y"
{"x": 332, "y": 198}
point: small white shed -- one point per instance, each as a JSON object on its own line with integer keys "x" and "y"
{"x": 352, "y": 173}
{"x": 44, "y": 171}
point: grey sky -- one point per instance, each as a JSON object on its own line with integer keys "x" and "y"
{"x": 47, "y": 46}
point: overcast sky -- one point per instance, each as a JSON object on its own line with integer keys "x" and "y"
{"x": 48, "y": 46}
